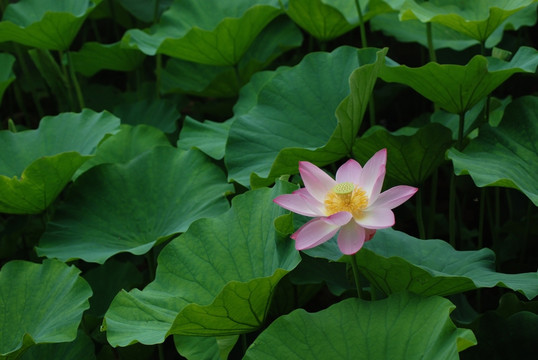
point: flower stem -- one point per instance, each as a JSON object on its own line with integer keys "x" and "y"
{"x": 420, "y": 219}
{"x": 355, "y": 267}
{"x": 433, "y": 204}
{"x": 75, "y": 82}
{"x": 361, "y": 25}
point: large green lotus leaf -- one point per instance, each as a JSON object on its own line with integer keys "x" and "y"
{"x": 81, "y": 349}
{"x": 394, "y": 261}
{"x": 45, "y": 24}
{"x": 211, "y": 32}
{"x": 328, "y": 19}
{"x": 412, "y": 157}
{"x": 41, "y": 303}
{"x": 131, "y": 207}
{"x": 291, "y": 117}
{"x": 476, "y": 19}
{"x": 124, "y": 146}
{"x": 6, "y": 73}
{"x": 35, "y": 165}
{"x": 208, "y": 136}
{"x": 216, "y": 279}
{"x": 402, "y": 326}
{"x": 457, "y": 88}
{"x": 524, "y": 17}
{"x": 160, "y": 113}
{"x": 505, "y": 155}
{"x": 225, "y": 81}
{"x": 94, "y": 57}
{"x": 415, "y": 31}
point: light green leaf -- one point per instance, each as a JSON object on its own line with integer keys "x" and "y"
{"x": 412, "y": 158}
{"x": 216, "y": 279}
{"x": 505, "y": 155}
{"x": 81, "y": 349}
{"x": 160, "y": 113}
{"x": 394, "y": 261}
{"x": 477, "y": 19}
{"x": 209, "y": 32}
{"x": 290, "y": 114}
{"x": 525, "y": 17}
{"x": 205, "y": 348}
{"x": 6, "y": 73}
{"x": 131, "y": 207}
{"x": 208, "y": 136}
{"x": 44, "y": 305}
{"x": 124, "y": 146}
{"x": 225, "y": 81}
{"x": 37, "y": 164}
{"x": 458, "y": 88}
{"x": 415, "y": 31}
{"x": 94, "y": 57}
{"x": 45, "y": 24}
{"x": 404, "y": 326}
{"x": 328, "y": 19}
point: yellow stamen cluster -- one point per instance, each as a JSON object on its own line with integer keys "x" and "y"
{"x": 346, "y": 197}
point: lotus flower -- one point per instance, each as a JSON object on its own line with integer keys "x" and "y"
{"x": 352, "y": 205}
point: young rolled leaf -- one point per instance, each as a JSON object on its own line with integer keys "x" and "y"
{"x": 44, "y": 305}
{"x": 404, "y": 326}
{"x": 505, "y": 155}
{"x": 210, "y": 32}
{"x": 45, "y": 24}
{"x": 216, "y": 279}
{"x": 394, "y": 261}
{"x": 310, "y": 93}
{"x": 196, "y": 134}
{"x": 458, "y": 88}
{"x": 131, "y": 207}
{"x": 6, "y": 73}
{"x": 477, "y": 19}
{"x": 35, "y": 165}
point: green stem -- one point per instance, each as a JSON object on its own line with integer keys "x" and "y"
{"x": 459, "y": 144}
{"x": 431, "y": 49}
{"x": 355, "y": 267}
{"x": 364, "y": 43}
{"x": 420, "y": 219}
{"x": 66, "y": 81}
{"x": 452, "y": 211}
{"x": 481, "y": 218}
{"x": 433, "y": 204}
{"x": 74, "y": 79}
{"x": 158, "y": 68}
{"x": 156, "y": 12}
{"x": 25, "y": 70}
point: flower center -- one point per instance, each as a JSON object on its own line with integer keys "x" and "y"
{"x": 346, "y": 197}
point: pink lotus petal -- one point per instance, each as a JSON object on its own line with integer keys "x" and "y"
{"x": 314, "y": 233}
{"x": 316, "y": 181}
{"x": 295, "y": 203}
{"x": 351, "y": 238}
{"x": 394, "y": 197}
{"x": 316, "y": 206}
{"x": 340, "y": 218}
{"x": 376, "y": 218}
{"x": 349, "y": 172}
{"x": 372, "y": 170}
{"x": 369, "y": 234}
{"x": 376, "y": 189}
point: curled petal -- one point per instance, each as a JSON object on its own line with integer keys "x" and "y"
{"x": 394, "y": 197}
{"x": 295, "y": 203}
{"x": 314, "y": 233}
{"x": 349, "y": 172}
{"x": 373, "y": 169}
{"x": 351, "y": 238}
{"x": 316, "y": 181}
{"x": 376, "y": 189}
{"x": 369, "y": 234}
{"x": 376, "y": 218}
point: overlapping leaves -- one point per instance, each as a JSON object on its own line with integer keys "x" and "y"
{"x": 131, "y": 207}
{"x": 210, "y": 282}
